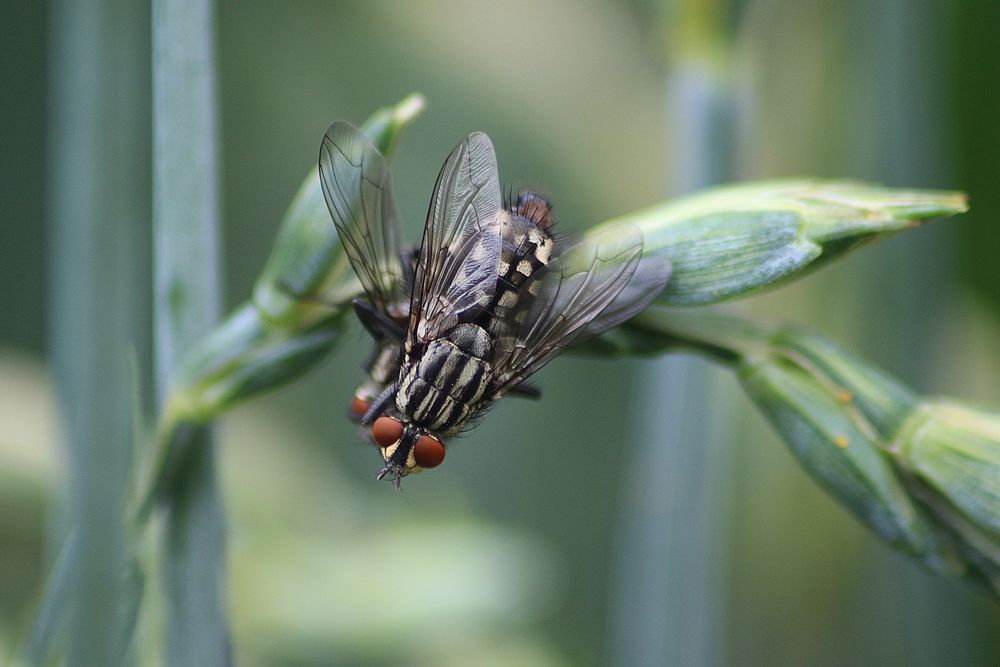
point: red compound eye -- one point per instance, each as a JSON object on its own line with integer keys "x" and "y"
{"x": 428, "y": 452}
{"x": 359, "y": 406}
{"x": 387, "y": 431}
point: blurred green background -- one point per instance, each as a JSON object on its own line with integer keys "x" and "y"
{"x": 536, "y": 543}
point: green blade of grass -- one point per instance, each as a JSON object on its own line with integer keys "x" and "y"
{"x": 670, "y": 597}
{"x": 187, "y": 304}
{"x": 42, "y": 646}
{"x": 98, "y": 189}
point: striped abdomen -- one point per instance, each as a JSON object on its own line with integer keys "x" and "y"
{"x": 438, "y": 390}
{"x": 525, "y": 252}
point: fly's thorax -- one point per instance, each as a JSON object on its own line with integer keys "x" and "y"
{"x": 448, "y": 306}
{"x": 439, "y": 389}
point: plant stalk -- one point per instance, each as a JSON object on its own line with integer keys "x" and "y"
{"x": 187, "y": 298}
{"x": 670, "y": 598}
{"x": 98, "y": 204}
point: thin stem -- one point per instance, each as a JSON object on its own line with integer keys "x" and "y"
{"x": 99, "y": 207}
{"x": 670, "y": 598}
{"x": 907, "y": 147}
{"x": 187, "y": 303}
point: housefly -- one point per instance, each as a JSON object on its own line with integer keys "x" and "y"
{"x": 529, "y": 215}
{"x": 355, "y": 181}
{"x": 482, "y": 304}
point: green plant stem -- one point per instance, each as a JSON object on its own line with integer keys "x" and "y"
{"x": 41, "y": 647}
{"x": 99, "y": 206}
{"x": 908, "y": 146}
{"x": 187, "y": 304}
{"x": 670, "y": 597}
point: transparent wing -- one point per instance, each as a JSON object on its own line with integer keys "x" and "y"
{"x": 649, "y": 279}
{"x": 355, "y": 181}
{"x": 459, "y": 255}
{"x": 579, "y": 287}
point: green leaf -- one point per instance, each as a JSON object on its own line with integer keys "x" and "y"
{"x": 956, "y": 449}
{"x": 921, "y": 473}
{"x": 952, "y": 453}
{"x": 246, "y": 355}
{"x": 734, "y": 240}
{"x": 881, "y": 400}
{"x": 836, "y": 449}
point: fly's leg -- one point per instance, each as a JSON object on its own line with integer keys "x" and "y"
{"x": 379, "y": 404}
{"x": 377, "y": 323}
{"x": 525, "y": 390}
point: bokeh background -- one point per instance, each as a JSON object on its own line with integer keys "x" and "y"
{"x": 641, "y": 513}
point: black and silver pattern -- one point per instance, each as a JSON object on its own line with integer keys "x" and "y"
{"x": 490, "y": 301}
{"x": 527, "y": 245}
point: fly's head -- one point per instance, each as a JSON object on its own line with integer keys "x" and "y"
{"x": 406, "y": 447}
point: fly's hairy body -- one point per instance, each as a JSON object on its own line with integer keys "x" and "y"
{"x": 483, "y": 303}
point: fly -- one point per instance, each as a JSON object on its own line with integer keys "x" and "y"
{"x": 529, "y": 217}
{"x": 483, "y": 303}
